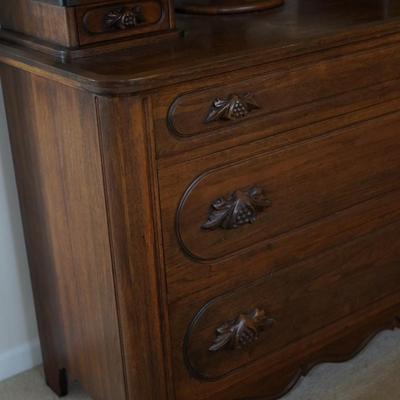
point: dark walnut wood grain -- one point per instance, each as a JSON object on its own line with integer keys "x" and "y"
{"x": 133, "y": 214}
{"x": 316, "y": 29}
{"x": 279, "y": 100}
{"x": 338, "y": 280}
{"x": 207, "y": 217}
{"x": 296, "y": 181}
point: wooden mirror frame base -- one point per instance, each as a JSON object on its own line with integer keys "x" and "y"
{"x": 67, "y": 54}
{"x": 216, "y": 7}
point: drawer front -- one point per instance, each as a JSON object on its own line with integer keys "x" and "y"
{"x": 112, "y": 21}
{"x": 189, "y": 116}
{"x": 232, "y": 208}
{"x": 319, "y": 194}
{"x": 235, "y": 333}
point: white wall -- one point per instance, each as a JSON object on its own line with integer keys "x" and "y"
{"x": 19, "y": 346}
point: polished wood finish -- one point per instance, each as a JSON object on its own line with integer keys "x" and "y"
{"x": 317, "y": 32}
{"x": 297, "y": 198}
{"x": 208, "y": 218}
{"x": 287, "y": 96}
{"x": 296, "y": 300}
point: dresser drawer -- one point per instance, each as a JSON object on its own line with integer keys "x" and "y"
{"x": 113, "y": 21}
{"x": 261, "y": 102}
{"x": 236, "y": 334}
{"x": 317, "y": 194}
{"x": 233, "y": 207}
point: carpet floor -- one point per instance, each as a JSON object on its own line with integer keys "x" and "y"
{"x": 373, "y": 375}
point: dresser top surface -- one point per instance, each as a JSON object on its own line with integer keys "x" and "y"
{"x": 219, "y": 44}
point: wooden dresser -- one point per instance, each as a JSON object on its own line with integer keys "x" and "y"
{"x": 208, "y": 215}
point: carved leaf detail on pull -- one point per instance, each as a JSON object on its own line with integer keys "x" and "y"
{"x": 125, "y": 17}
{"x": 238, "y": 208}
{"x": 232, "y": 108}
{"x": 242, "y": 332}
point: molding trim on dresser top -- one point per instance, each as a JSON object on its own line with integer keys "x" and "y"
{"x": 210, "y": 215}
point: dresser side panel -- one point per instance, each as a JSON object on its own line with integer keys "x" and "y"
{"x": 54, "y": 138}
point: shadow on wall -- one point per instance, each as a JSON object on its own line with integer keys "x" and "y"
{"x": 19, "y": 346}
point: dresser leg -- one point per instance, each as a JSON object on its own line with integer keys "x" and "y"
{"x": 57, "y": 380}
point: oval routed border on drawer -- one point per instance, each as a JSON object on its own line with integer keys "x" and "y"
{"x": 99, "y": 23}
{"x": 188, "y": 114}
{"x": 295, "y": 181}
{"x": 295, "y": 303}
{"x": 95, "y": 19}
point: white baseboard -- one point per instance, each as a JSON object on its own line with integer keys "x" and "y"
{"x": 20, "y": 359}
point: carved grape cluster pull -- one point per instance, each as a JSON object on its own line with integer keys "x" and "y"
{"x": 236, "y": 209}
{"x": 125, "y": 17}
{"x": 242, "y": 332}
{"x": 232, "y": 108}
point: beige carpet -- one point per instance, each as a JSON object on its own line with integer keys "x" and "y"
{"x": 372, "y": 375}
